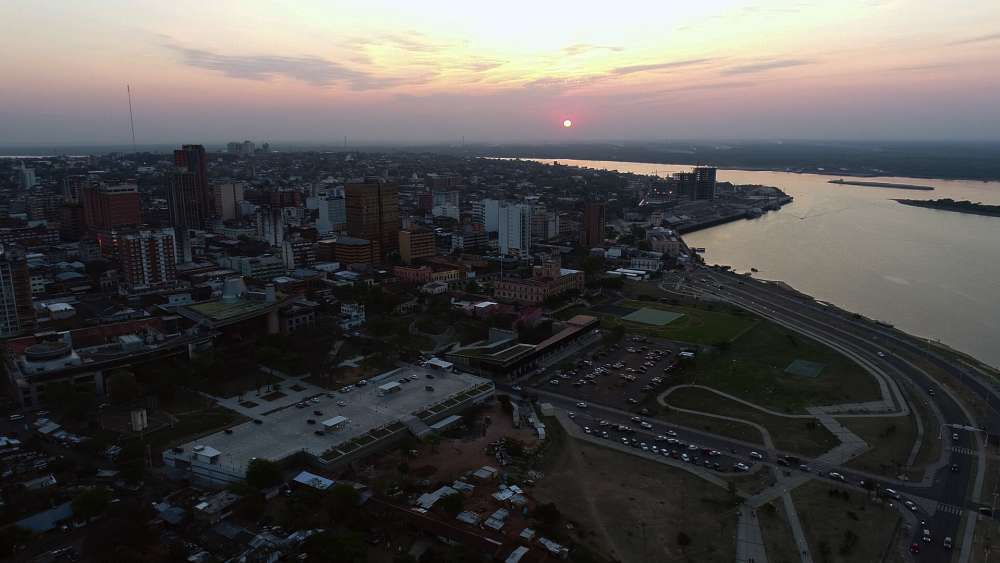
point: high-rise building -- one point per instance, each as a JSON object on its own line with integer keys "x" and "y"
{"x": 298, "y": 253}
{"x": 417, "y": 243}
{"x": 704, "y": 182}
{"x": 515, "y": 229}
{"x": 73, "y": 187}
{"x": 594, "y": 222}
{"x": 487, "y": 214}
{"x": 42, "y": 205}
{"x": 192, "y": 159}
{"x": 373, "y": 212}
{"x": 17, "y": 315}
{"x": 147, "y": 259}
{"x": 332, "y": 213}
{"x": 72, "y": 220}
{"x": 248, "y": 148}
{"x": 350, "y": 250}
{"x": 27, "y": 177}
{"x": 234, "y": 148}
{"x": 109, "y": 206}
{"x": 183, "y": 203}
{"x": 442, "y": 180}
{"x": 227, "y": 198}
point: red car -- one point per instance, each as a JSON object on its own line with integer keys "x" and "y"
{"x": 229, "y": 430}
{"x": 429, "y": 375}
{"x": 915, "y": 548}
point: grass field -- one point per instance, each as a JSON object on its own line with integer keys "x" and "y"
{"x": 826, "y": 521}
{"x": 892, "y": 440}
{"x": 696, "y": 325}
{"x": 753, "y": 370}
{"x": 790, "y": 434}
{"x": 632, "y": 509}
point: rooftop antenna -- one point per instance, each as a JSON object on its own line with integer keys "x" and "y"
{"x": 132, "y": 122}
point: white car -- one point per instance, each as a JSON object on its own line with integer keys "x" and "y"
{"x": 714, "y": 453}
{"x": 625, "y": 441}
{"x": 414, "y": 376}
{"x": 554, "y": 382}
{"x": 571, "y": 415}
{"x": 684, "y": 457}
{"x": 582, "y": 405}
{"x": 837, "y": 476}
{"x": 654, "y": 449}
{"x": 671, "y": 433}
{"x": 741, "y": 467}
{"x": 341, "y": 404}
{"x": 880, "y": 354}
{"x": 586, "y": 429}
{"x": 661, "y": 438}
{"x": 911, "y": 506}
{"x": 515, "y": 388}
{"x": 756, "y": 455}
{"x": 644, "y": 447}
{"x": 645, "y": 425}
{"x": 693, "y": 448}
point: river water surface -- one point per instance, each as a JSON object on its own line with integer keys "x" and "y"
{"x": 934, "y": 274}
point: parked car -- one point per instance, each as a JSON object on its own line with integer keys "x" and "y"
{"x": 310, "y": 421}
{"x": 258, "y": 421}
{"x": 319, "y": 432}
{"x": 228, "y": 431}
{"x": 741, "y": 467}
{"x": 684, "y": 457}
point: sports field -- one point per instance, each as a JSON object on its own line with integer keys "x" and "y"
{"x": 652, "y": 317}
{"x": 802, "y": 367}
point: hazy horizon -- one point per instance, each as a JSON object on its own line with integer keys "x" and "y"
{"x": 395, "y": 73}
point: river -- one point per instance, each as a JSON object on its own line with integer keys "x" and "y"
{"x": 934, "y": 274}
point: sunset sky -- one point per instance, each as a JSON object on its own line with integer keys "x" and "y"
{"x": 510, "y": 71}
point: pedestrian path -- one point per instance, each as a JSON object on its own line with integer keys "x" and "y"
{"x": 749, "y": 541}
{"x": 961, "y": 450}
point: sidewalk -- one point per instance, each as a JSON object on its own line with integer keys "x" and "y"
{"x": 749, "y": 541}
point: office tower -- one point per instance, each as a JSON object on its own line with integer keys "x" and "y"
{"x": 266, "y": 147}
{"x": 444, "y": 197}
{"x": 298, "y": 253}
{"x": 183, "y": 203}
{"x": 73, "y": 187}
{"x": 17, "y": 315}
{"x": 234, "y": 148}
{"x": 109, "y": 206}
{"x": 248, "y": 148}
{"x": 373, "y": 212}
{"x": 592, "y": 233}
{"x": 704, "y": 182}
{"x": 417, "y": 243}
{"x": 515, "y": 229}
{"x": 350, "y": 250}
{"x": 147, "y": 259}
{"x": 332, "y": 213}
{"x": 227, "y": 198}
{"x": 192, "y": 159}
{"x": 487, "y": 214}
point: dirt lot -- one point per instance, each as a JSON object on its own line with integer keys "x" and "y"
{"x": 779, "y": 542}
{"x": 633, "y": 509}
{"x": 827, "y": 521}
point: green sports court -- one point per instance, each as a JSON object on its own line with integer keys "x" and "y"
{"x": 652, "y": 317}
{"x": 802, "y": 367}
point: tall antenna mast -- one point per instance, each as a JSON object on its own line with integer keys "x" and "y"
{"x": 132, "y": 122}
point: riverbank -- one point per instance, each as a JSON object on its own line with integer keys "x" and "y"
{"x": 948, "y": 204}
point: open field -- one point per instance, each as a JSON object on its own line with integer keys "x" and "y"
{"x": 754, "y": 370}
{"x": 779, "y": 542}
{"x": 851, "y": 530}
{"x": 727, "y": 428}
{"x": 790, "y": 434}
{"x": 892, "y": 440}
{"x": 632, "y": 509}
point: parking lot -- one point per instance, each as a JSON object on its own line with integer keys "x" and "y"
{"x": 617, "y": 376}
{"x": 287, "y": 431}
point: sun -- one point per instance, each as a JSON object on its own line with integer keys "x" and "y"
{"x": 567, "y": 124}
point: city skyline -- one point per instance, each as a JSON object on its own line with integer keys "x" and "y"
{"x": 305, "y": 71}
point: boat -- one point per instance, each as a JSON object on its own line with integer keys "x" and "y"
{"x": 754, "y": 270}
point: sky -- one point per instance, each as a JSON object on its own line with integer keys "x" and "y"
{"x": 441, "y": 70}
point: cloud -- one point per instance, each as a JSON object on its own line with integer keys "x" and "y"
{"x": 765, "y": 66}
{"x": 573, "y": 50}
{"x": 416, "y": 45}
{"x": 316, "y": 71}
{"x": 561, "y": 83}
{"x": 980, "y": 39}
{"x": 656, "y": 66}
{"x": 479, "y": 66}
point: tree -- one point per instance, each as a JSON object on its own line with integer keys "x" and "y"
{"x": 390, "y": 522}
{"x": 429, "y": 556}
{"x": 90, "y": 503}
{"x": 127, "y": 555}
{"x": 404, "y": 558}
{"x": 683, "y": 540}
{"x": 407, "y": 442}
{"x": 461, "y": 553}
{"x": 81, "y": 403}
{"x": 453, "y": 504}
{"x": 336, "y": 548}
{"x": 57, "y": 392}
{"x": 122, "y": 386}
{"x": 433, "y": 440}
{"x": 13, "y": 537}
{"x": 471, "y": 287}
{"x": 267, "y": 355}
{"x": 263, "y": 473}
{"x": 344, "y": 499}
{"x": 132, "y": 462}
